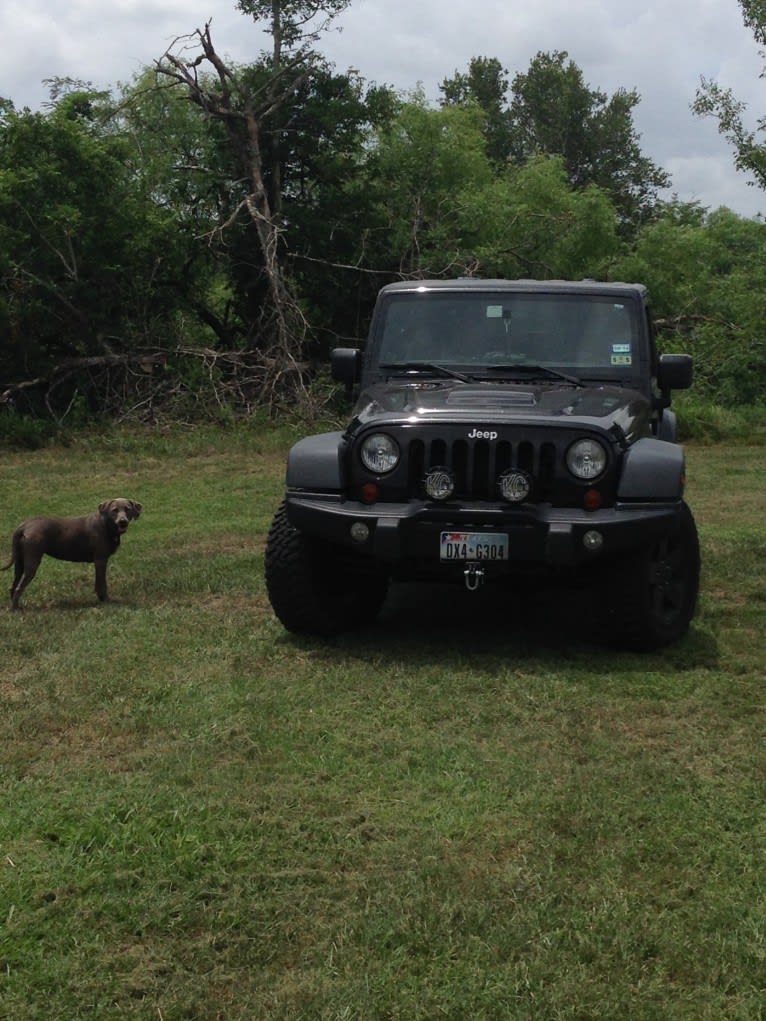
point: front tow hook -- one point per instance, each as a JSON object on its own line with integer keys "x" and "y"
{"x": 474, "y": 576}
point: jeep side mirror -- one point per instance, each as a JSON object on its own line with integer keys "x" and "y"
{"x": 674, "y": 372}
{"x": 345, "y": 365}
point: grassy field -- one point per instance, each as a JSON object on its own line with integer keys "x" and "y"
{"x": 480, "y": 818}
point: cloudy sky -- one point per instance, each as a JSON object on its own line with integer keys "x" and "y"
{"x": 660, "y": 47}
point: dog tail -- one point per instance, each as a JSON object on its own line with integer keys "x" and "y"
{"x": 15, "y": 539}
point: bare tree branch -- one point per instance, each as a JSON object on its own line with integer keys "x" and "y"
{"x": 224, "y": 97}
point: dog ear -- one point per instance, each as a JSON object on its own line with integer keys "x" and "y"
{"x": 136, "y": 507}
{"x": 104, "y": 507}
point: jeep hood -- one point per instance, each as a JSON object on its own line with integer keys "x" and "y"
{"x": 611, "y": 408}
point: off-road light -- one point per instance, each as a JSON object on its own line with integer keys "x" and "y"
{"x": 439, "y": 483}
{"x": 360, "y": 532}
{"x": 586, "y": 459}
{"x": 380, "y": 453}
{"x": 514, "y": 485}
{"x": 593, "y": 540}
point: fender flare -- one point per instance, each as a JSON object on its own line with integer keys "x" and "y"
{"x": 667, "y": 427}
{"x": 315, "y": 462}
{"x": 652, "y": 470}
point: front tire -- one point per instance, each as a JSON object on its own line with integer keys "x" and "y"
{"x": 315, "y": 588}
{"x": 650, "y": 596}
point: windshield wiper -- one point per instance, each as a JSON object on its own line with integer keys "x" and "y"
{"x": 535, "y": 370}
{"x": 431, "y": 368}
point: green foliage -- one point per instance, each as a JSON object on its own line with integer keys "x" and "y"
{"x": 293, "y": 24}
{"x": 754, "y": 12}
{"x": 179, "y": 163}
{"x": 532, "y": 223}
{"x": 443, "y": 210}
{"x": 421, "y": 169}
{"x": 23, "y": 432}
{"x": 553, "y": 112}
{"x": 83, "y": 250}
{"x": 315, "y": 149}
{"x": 705, "y": 422}
{"x": 124, "y": 222}
{"x": 706, "y": 273}
{"x": 714, "y": 100}
{"x": 486, "y": 84}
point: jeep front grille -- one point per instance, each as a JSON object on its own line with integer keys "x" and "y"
{"x": 478, "y": 464}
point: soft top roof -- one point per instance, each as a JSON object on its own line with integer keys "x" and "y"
{"x": 519, "y": 286}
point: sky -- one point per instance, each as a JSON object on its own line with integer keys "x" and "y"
{"x": 660, "y": 48}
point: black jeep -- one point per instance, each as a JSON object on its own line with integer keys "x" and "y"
{"x": 502, "y": 431}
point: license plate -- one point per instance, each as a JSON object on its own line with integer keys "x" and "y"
{"x": 473, "y": 546}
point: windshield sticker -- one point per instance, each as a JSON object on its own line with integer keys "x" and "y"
{"x": 494, "y": 311}
{"x": 620, "y": 349}
{"x": 622, "y": 360}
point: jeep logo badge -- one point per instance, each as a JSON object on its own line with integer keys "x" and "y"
{"x": 478, "y": 434}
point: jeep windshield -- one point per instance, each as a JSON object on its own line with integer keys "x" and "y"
{"x": 524, "y": 336}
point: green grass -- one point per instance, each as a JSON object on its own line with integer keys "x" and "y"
{"x": 483, "y": 818}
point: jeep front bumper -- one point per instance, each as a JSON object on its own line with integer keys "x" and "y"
{"x": 537, "y": 534}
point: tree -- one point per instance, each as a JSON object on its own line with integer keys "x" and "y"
{"x": 317, "y": 139}
{"x": 418, "y": 171}
{"x": 532, "y": 223}
{"x": 294, "y": 25}
{"x": 554, "y": 111}
{"x": 706, "y": 274}
{"x": 486, "y": 84}
{"x": 324, "y": 135}
{"x": 713, "y": 100}
{"x": 245, "y": 113}
{"x": 441, "y": 208}
{"x": 177, "y": 160}
{"x": 83, "y": 249}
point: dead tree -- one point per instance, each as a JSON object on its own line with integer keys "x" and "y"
{"x": 244, "y": 112}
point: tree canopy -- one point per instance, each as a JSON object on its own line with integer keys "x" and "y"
{"x": 195, "y": 243}
{"x": 552, "y": 111}
{"x": 714, "y": 100}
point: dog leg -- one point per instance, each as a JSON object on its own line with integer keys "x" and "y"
{"x": 25, "y": 571}
{"x": 18, "y": 570}
{"x": 101, "y": 581}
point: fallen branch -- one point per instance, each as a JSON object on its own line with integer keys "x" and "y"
{"x": 178, "y": 383}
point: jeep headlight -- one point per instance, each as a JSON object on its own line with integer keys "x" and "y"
{"x": 379, "y": 453}
{"x": 586, "y": 459}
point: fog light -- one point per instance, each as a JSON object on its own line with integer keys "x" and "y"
{"x": 593, "y": 541}
{"x": 360, "y": 532}
{"x": 439, "y": 484}
{"x": 514, "y": 486}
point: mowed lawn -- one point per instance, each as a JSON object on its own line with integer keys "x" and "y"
{"x": 465, "y": 812}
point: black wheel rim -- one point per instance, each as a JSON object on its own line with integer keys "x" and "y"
{"x": 668, "y": 584}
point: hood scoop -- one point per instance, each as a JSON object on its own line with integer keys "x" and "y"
{"x": 463, "y": 398}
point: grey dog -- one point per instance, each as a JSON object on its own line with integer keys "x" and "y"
{"x": 91, "y": 539}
